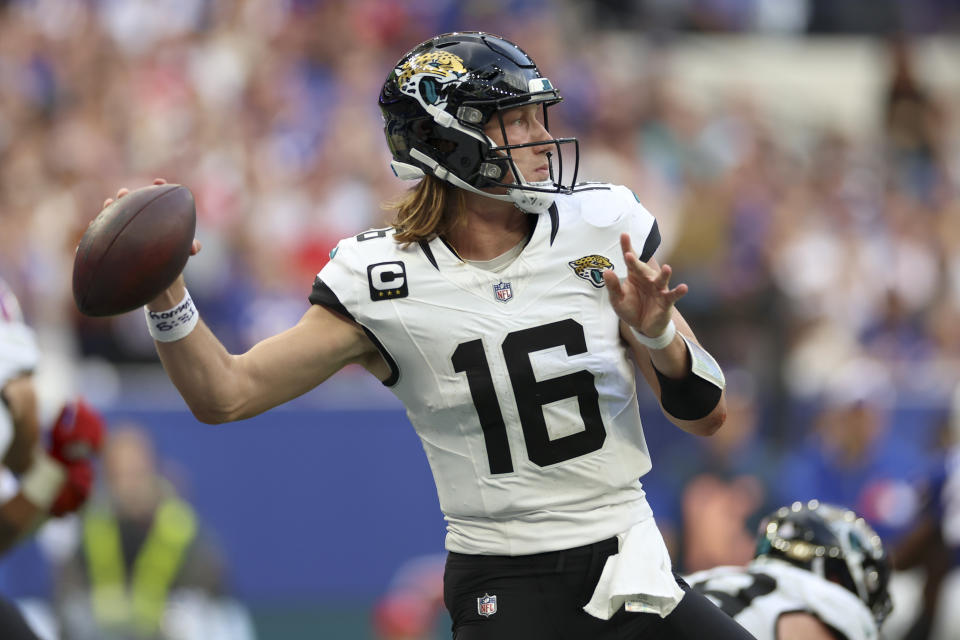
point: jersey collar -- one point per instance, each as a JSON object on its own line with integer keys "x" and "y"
{"x": 439, "y": 252}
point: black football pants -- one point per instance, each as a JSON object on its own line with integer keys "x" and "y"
{"x": 541, "y": 597}
{"x": 12, "y": 625}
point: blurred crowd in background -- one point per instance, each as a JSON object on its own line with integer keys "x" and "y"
{"x": 823, "y": 263}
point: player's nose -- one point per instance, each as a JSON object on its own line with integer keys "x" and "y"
{"x": 540, "y": 132}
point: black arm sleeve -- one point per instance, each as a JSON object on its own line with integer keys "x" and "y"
{"x": 689, "y": 398}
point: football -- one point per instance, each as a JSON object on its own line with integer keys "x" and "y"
{"x": 134, "y": 249}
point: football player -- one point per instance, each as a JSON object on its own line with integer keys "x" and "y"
{"x": 933, "y": 540}
{"x": 55, "y": 481}
{"x": 508, "y": 308}
{"x": 820, "y": 573}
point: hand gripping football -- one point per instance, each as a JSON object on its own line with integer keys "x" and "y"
{"x": 134, "y": 249}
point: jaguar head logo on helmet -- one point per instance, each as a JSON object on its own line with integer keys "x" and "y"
{"x": 437, "y": 101}
{"x": 442, "y": 66}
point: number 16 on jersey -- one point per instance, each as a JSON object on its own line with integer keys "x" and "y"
{"x": 531, "y": 396}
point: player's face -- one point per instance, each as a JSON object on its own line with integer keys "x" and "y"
{"x": 522, "y": 125}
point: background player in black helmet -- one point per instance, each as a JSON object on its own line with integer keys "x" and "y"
{"x": 820, "y": 573}
{"x": 508, "y": 308}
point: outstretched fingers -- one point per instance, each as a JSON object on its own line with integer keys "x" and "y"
{"x": 662, "y": 282}
{"x": 662, "y": 279}
{"x": 644, "y": 275}
{"x": 676, "y": 293}
{"x": 638, "y": 272}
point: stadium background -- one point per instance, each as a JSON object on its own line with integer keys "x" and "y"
{"x": 804, "y": 165}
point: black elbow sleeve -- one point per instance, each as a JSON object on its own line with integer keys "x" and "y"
{"x": 689, "y": 398}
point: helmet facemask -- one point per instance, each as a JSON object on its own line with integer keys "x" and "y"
{"x": 499, "y": 164}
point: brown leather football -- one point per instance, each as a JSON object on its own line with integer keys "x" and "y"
{"x": 134, "y": 249}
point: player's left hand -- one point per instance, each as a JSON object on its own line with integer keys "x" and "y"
{"x": 78, "y": 433}
{"x": 75, "y": 490}
{"x": 643, "y": 299}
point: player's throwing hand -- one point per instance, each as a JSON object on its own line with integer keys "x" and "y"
{"x": 194, "y": 249}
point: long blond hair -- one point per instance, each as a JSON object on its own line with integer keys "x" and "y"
{"x": 431, "y": 208}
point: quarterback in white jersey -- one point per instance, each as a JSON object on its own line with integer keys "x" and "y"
{"x": 508, "y": 308}
{"x": 514, "y": 379}
{"x": 820, "y": 574}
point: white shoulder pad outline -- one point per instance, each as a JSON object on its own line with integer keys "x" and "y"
{"x": 346, "y": 274}
{"x": 340, "y": 274}
{"x": 372, "y": 245}
{"x": 605, "y": 207}
{"x": 349, "y": 277}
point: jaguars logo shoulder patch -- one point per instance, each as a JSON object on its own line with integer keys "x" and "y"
{"x": 591, "y": 268}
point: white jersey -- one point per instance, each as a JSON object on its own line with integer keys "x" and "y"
{"x": 757, "y": 595}
{"x": 18, "y": 344}
{"x": 18, "y": 354}
{"x": 517, "y": 382}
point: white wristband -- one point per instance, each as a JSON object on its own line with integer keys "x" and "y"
{"x": 173, "y": 324}
{"x": 42, "y": 482}
{"x": 659, "y": 342}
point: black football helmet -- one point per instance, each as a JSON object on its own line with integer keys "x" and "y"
{"x": 439, "y": 97}
{"x": 833, "y": 543}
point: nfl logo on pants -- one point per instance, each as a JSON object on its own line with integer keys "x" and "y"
{"x": 487, "y": 605}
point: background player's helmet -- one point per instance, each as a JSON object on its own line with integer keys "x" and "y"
{"x": 438, "y": 98}
{"x": 833, "y": 543}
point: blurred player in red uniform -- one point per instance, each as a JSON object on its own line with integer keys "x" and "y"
{"x": 411, "y": 607}
{"x": 38, "y": 482}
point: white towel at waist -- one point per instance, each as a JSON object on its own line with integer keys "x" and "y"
{"x": 640, "y": 576}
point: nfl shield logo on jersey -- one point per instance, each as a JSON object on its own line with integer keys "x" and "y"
{"x": 487, "y": 605}
{"x": 504, "y": 293}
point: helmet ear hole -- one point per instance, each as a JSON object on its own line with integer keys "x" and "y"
{"x": 491, "y": 171}
{"x": 495, "y": 169}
